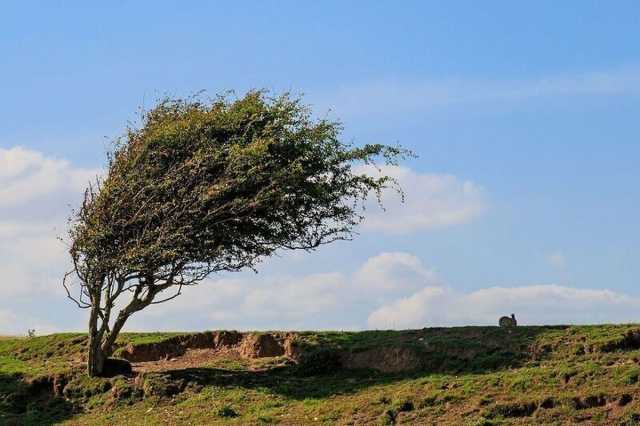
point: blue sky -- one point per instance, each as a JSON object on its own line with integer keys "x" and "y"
{"x": 524, "y": 117}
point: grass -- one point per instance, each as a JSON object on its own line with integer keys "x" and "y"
{"x": 471, "y": 376}
{"x": 144, "y": 338}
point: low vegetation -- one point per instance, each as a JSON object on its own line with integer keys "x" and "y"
{"x": 444, "y": 376}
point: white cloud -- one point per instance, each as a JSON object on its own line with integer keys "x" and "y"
{"x": 394, "y": 272}
{"x": 390, "y": 290}
{"x": 311, "y": 294}
{"x": 314, "y": 301}
{"x": 35, "y": 194}
{"x": 27, "y": 175}
{"x": 7, "y": 319}
{"x": 432, "y": 201}
{"x": 256, "y": 302}
{"x": 12, "y": 324}
{"x": 390, "y": 96}
{"x": 537, "y": 304}
{"x": 35, "y": 198}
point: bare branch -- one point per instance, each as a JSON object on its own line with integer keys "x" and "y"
{"x": 78, "y": 302}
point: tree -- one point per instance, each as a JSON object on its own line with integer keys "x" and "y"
{"x": 208, "y": 186}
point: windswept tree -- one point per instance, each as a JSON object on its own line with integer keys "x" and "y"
{"x": 209, "y": 186}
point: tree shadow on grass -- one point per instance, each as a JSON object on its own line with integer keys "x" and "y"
{"x": 449, "y": 351}
{"x": 285, "y": 380}
{"x": 24, "y": 403}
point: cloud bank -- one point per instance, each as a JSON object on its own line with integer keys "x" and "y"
{"x": 384, "y": 96}
{"x": 536, "y": 304}
{"x": 36, "y": 193}
{"x": 389, "y": 291}
{"x": 432, "y": 201}
{"x": 27, "y": 175}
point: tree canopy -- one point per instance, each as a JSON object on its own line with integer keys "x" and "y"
{"x": 208, "y": 186}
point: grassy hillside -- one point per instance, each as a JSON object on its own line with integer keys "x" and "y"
{"x": 440, "y": 376}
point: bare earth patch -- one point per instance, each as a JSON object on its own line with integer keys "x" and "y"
{"x": 192, "y": 358}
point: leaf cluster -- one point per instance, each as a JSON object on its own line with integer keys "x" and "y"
{"x": 207, "y": 186}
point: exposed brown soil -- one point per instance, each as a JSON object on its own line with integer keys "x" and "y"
{"x": 261, "y": 346}
{"x": 249, "y": 345}
{"x": 197, "y": 350}
{"x": 172, "y": 347}
{"x": 192, "y": 358}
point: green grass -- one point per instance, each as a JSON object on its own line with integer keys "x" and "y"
{"x": 145, "y": 338}
{"x": 471, "y": 376}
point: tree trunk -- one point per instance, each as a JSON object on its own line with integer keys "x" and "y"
{"x": 101, "y": 343}
{"x": 112, "y": 335}
{"x": 101, "y": 339}
{"x": 96, "y": 358}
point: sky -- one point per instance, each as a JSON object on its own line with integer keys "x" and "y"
{"x": 524, "y": 197}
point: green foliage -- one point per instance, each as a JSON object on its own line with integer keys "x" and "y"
{"x": 203, "y": 187}
{"x": 216, "y": 186}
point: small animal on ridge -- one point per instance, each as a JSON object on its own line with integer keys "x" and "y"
{"x": 508, "y": 322}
